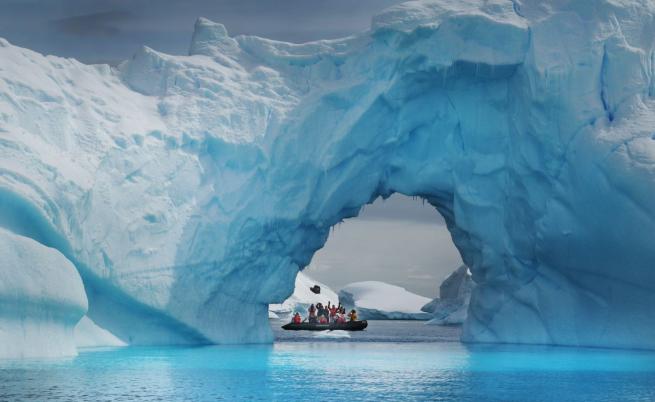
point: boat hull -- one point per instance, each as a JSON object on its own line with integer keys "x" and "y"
{"x": 305, "y": 326}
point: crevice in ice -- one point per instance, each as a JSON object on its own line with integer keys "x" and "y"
{"x": 517, "y": 8}
{"x": 603, "y": 86}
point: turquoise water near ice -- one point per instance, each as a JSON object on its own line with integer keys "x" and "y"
{"x": 390, "y": 361}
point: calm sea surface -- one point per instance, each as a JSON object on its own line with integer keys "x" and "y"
{"x": 392, "y": 360}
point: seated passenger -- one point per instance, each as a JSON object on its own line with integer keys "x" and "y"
{"x": 352, "y": 315}
{"x": 297, "y": 319}
{"x": 341, "y": 319}
{"x": 322, "y": 320}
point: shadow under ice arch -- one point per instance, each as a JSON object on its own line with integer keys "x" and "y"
{"x": 528, "y": 128}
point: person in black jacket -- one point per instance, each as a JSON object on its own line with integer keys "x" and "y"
{"x": 312, "y": 314}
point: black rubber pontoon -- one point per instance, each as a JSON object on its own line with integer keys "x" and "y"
{"x": 305, "y": 326}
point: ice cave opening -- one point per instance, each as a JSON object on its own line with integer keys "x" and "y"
{"x": 394, "y": 261}
{"x": 388, "y": 263}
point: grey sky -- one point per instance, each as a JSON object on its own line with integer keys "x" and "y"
{"x": 112, "y": 30}
{"x": 398, "y": 241}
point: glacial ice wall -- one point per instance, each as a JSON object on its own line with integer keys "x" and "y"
{"x": 189, "y": 190}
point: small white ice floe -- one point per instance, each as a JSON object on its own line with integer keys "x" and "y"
{"x": 332, "y": 334}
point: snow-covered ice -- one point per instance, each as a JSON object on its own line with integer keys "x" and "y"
{"x": 41, "y": 299}
{"x": 188, "y": 191}
{"x": 451, "y": 307}
{"x": 376, "y": 300}
{"x": 302, "y": 298}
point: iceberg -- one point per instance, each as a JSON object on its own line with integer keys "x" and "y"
{"x": 451, "y": 307}
{"x": 302, "y": 298}
{"x": 189, "y": 191}
{"x": 41, "y": 300}
{"x": 376, "y": 300}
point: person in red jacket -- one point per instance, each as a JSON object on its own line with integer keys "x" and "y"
{"x": 333, "y": 312}
{"x": 297, "y": 319}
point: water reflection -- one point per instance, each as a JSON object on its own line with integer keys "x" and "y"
{"x": 337, "y": 371}
{"x": 549, "y": 358}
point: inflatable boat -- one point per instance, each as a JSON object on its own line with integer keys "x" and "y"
{"x": 347, "y": 326}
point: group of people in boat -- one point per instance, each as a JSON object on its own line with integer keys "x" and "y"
{"x": 320, "y": 314}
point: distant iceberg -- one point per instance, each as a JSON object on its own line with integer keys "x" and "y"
{"x": 451, "y": 307}
{"x": 376, "y": 300}
{"x": 302, "y": 298}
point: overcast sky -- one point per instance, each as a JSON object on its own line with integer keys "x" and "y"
{"x": 399, "y": 241}
{"x": 112, "y": 30}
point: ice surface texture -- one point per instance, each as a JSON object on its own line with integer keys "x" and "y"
{"x": 189, "y": 190}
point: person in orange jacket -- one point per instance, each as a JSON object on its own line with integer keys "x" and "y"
{"x": 352, "y": 315}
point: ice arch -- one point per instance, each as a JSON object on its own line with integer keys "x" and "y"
{"x": 198, "y": 186}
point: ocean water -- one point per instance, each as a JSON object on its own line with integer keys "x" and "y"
{"x": 389, "y": 361}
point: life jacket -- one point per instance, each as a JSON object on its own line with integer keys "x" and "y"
{"x": 323, "y": 320}
{"x": 333, "y": 311}
{"x": 297, "y": 319}
{"x": 353, "y": 316}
